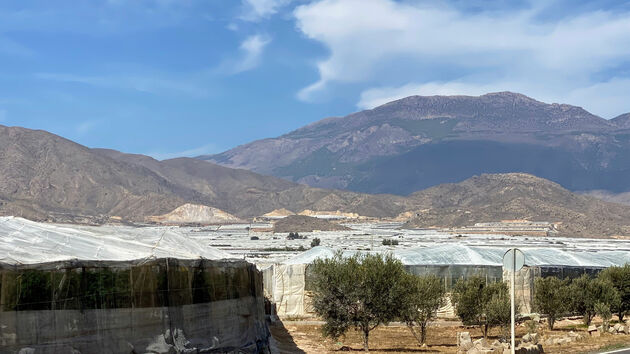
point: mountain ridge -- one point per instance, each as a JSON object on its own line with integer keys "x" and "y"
{"x": 350, "y": 152}
{"x": 49, "y": 178}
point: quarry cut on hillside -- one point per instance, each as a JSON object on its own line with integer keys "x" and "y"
{"x": 195, "y": 214}
{"x": 303, "y": 223}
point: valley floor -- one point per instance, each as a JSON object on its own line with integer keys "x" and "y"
{"x": 305, "y": 337}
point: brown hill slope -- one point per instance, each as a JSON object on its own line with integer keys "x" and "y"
{"x": 497, "y": 197}
{"x": 46, "y": 177}
{"x": 246, "y": 194}
{"x": 303, "y": 223}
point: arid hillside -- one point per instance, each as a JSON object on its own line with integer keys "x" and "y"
{"x": 497, "y": 197}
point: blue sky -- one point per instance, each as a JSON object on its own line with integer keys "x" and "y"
{"x": 184, "y": 77}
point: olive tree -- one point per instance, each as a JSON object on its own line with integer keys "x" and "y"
{"x": 480, "y": 304}
{"x": 620, "y": 279}
{"x": 586, "y": 292}
{"x": 551, "y": 297}
{"x": 362, "y": 291}
{"x": 424, "y": 296}
{"x": 603, "y": 310}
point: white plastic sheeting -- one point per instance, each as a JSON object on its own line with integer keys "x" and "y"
{"x": 27, "y": 242}
{"x": 453, "y": 254}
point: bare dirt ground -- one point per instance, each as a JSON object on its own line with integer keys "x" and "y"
{"x": 305, "y": 337}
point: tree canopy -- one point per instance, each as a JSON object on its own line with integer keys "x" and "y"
{"x": 620, "y": 279}
{"x": 480, "y": 304}
{"x": 586, "y": 292}
{"x": 425, "y": 295}
{"x": 551, "y": 297}
{"x": 362, "y": 291}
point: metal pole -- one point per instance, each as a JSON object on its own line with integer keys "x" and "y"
{"x": 512, "y": 294}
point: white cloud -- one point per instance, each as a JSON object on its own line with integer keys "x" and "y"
{"x": 607, "y": 99}
{"x": 194, "y": 152}
{"x": 377, "y": 96}
{"x": 251, "y": 51}
{"x": 256, "y": 10}
{"x": 442, "y": 48}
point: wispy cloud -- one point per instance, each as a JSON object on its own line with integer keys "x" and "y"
{"x": 97, "y": 17}
{"x": 250, "y": 53}
{"x": 13, "y": 48}
{"x": 399, "y": 47}
{"x": 194, "y": 152}
{"x": 86, "y": 127}
{"x": 256, "y": 10}
{"x": 133, "y": 82}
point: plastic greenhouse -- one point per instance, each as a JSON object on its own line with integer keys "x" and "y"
{"x": 287, "y": 283}
{"x": 72, "y": 289}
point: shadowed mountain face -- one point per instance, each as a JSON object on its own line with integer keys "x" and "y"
{"x": 418, "y": 142}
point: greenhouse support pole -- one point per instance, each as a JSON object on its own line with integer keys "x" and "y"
{"x": 512, "y": 281}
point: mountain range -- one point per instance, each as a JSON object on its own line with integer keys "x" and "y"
{"x": 46, "y": 177}
{"x": 418, "y": 142}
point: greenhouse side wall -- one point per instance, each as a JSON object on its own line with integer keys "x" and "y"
{"x": 160, "y": 306}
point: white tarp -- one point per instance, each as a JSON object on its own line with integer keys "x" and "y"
{"x": 27, "y": 242}
{"x": 288, "y": 289}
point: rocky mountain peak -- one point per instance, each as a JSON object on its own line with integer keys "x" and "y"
{"x": 622, "y": 121}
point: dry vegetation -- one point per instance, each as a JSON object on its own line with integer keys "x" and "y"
{"x": 305, "y": 337}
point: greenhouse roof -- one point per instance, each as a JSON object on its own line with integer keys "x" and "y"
{"x": 454, "y": 254}
{"x": 27, "y": 242}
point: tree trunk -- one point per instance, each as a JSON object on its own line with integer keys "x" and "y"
{"x": 588, "y": 318}
{"x": 423, "y": 333}
{"x": 551, "y": 322}
{"x": 366, "y": 335}
{"x": 484, "y": 329}
{"x": 620, "y": 315}
{"x": 415, "y": 335}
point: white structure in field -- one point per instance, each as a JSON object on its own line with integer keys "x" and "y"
{"x": 68, "y": 288}
{"x": 287, "y": 283}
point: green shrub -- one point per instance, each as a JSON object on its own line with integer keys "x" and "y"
{"x": 620, "y": 279}
{"x": 389, "y": 242}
